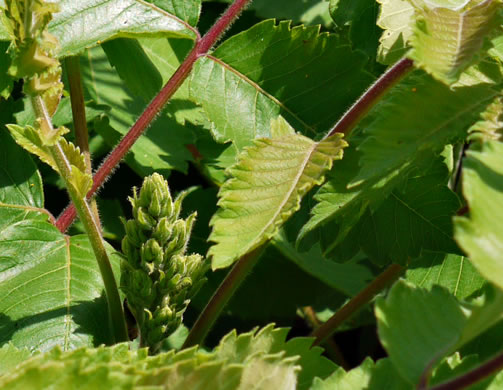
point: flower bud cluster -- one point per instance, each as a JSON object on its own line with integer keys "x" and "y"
{"x": 158, "y": 278}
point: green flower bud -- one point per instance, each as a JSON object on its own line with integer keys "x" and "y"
{"x": 145, "y": 221}
{"x": 132, "y": 232}
{"x": 185, "y": 283}
{"x": 151, "y": 252}
{"x": 155, "y": 206}
{"x": 131, "y": 252}
{"x": 138, "y": 287}
{"x": 163, "y": 230}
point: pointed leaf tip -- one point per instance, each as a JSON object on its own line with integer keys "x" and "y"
{"x": 266, "y": 187}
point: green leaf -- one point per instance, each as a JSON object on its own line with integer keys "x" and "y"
{"x": 446, "y": 52}
{"x": 414, "y": 331}
{"x": 367, "y": 376}
{"x": 311, "y": 90}
{"x": 479, "y": 234}
{"x": 416, "y": 334}
{"x": 360, "y": 16}
{"x": 29, "y": 138}
{"x": 20, "y": 184}
{"x": 187, "y": 10}
{"x": 6, "y": 81}
{"x": 337, "y": 202}
{"x": 62, "y": 116}
{"x": 307, "y": 12}
{"x": 268, "y": 183}
{"x": 456, "y": 273}
{"x": 10, "y": 357}
{"x": 344, "y": 12}
{"x": 86, "y": 23}
{"x": 416, "y": 216}
{"x": 134, "y": 67}
{"x": 313, "y": 364}
{"x": 395, "y": 19}
{"x": 162, "y": 148}
{"x": 250, "y": 348}
{"x": 51, "y": 290}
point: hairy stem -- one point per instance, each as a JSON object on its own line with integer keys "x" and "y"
{"x": 79, "y": 119}
{"x": 200, "y": 49}
{"x": 372, "y": 96}
{"x": 356, "y": 303}
{"x": 92, "y": 228}
{"x": 486, "y": 369}
{"x": 221, "y": 296}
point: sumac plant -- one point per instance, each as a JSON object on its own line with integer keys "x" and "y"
{"x": 309, "y": 198}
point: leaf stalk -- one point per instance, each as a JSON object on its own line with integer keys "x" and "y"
{"x": 117, "y": 320}
{"x": 79, "y": 120}
{"x": 372, "y": 96}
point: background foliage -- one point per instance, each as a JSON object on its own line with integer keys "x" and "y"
{"x": 415, "y": 182}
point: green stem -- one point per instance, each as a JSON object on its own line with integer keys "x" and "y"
{"x": 221, "y": 296}
{"x": 387, "y": 277}
{"x": 72, "y": 65}
{"x": 92, "y": 228}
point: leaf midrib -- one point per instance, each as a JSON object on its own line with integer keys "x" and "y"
{"x": 287, "y": 196}
{"x": 423, "y": 218}
{"x": 259, "y": 89}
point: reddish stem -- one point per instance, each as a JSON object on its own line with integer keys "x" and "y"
{"x": 483, "y": 371}
{"x": 200, "y": 49}
{"x": 372, "y": 95}
{"x": 383, "y": 280}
